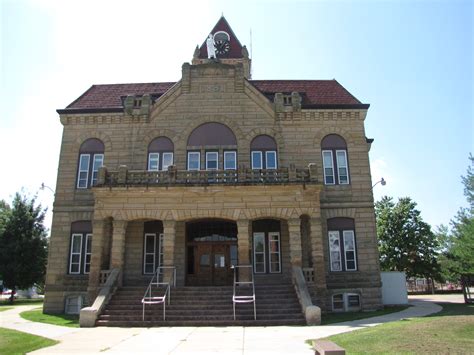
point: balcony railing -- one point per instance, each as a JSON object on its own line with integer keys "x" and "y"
{"x": 171, "y": 177}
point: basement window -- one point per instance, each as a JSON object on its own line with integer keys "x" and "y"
{"x": 346, "y": 302}
{"x": 74, "y": 304}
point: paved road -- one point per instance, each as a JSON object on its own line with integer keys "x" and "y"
{"x": 196, "y": 340}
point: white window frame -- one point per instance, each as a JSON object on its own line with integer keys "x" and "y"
{"x": 79, "y": 302}
{"x": 216, "y": 154}
{"x": 95, "y": 168}
{"x": 270, "y": 252}
{"x": 258, "y": 152}
{"x": 345, "y": 166}
{"x": 328, "y": 167}
{"x": 71, "y": 253}
{"x": 86, "y": 253}
{"x": 83, "y": 156}
{"x": 145, "y": 253}
{"x": 349, "y": 234}
{"x": 230, "y": 152}
{"x": 259, "y": 234}
{"x": 198, "y": 160}
{"x": 155, "y": 157}
{"x": 335, "y": 234}
{"x": 343, "y": 303}
{"x": 165, "y": 156}
{"x": 267, "y": 153}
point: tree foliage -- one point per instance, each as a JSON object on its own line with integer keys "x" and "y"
{"x": 23, "y": 243}
{"x": 406, "y": 242}
{"x": 458, "y": 243}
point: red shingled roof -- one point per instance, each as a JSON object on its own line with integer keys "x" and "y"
{"x": 110, "y": 96}
{"x": 313, "y": 92}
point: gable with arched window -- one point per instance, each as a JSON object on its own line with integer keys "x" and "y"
{"x": 160, "y": 154}
{"x": 210, "y": 144}
{"x": 335, "y": 162}
{"x": 91, "y": 159}
{"x": 263, "y": 152}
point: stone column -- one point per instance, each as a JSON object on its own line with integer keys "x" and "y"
{"x": 294, "y": 229}
{"x": 169, "y": 241}
{"x": 243, "y": 245}
{"x": 317, "y": 247}
{"x": 117, "y": 255}
{"x": 98, "y": 241}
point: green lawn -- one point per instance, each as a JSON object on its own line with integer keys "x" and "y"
{"x": 36, "y": 315}
{"x": 5, "y": 308}
{"x": 331, "y": 318}
{"x": 449, "y": 331}
{"x": 14, "y": 342}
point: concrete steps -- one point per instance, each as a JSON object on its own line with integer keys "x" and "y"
{"x": 204, "y": 306}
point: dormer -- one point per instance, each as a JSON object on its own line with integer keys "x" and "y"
{"x": 228, "y": 48}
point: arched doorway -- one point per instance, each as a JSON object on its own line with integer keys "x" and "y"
{"x": 211, "y": 250}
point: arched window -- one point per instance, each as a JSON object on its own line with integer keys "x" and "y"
{"x": 215, "y": 142}
{"x": 91, "y": 158}
{"x": 263, "y": 150}
{"x": 335, "y": 162}
{"x": 81, "y": 247}
{"x": 160, "y": 154}
{"x": 342, "y": 244}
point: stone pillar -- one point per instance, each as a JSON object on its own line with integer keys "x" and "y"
{"x": 317, "y": 247}
{"x": 294, "y": 230}
{"x": 117, "y": 255}
{"x": 169, "y": 241}
{"x": 98, "y": 242}
{"x": 243, "y": 245}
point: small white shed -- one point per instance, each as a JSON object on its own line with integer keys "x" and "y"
{"x": 394, "y": 288}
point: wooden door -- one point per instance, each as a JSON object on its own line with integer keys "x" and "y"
{"x": 204, "y": 265}
{"x": 221, "y": 266}
{"x": 211, "y": 265}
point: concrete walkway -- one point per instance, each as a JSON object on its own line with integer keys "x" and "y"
{"x": 195, "y": 340}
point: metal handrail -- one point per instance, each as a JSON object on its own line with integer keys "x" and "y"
{"x": 148, "y": 297}
{"x": 244, "y": 298}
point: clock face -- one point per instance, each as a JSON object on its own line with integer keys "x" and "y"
{"x": 222, "y": 46}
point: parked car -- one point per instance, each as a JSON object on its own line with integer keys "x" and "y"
{"x": 6, "y": 294}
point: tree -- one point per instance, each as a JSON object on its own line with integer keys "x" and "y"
{"x": 406, "y": 242}
{"x": 23, "y": 244}
{"x": 458, "y": 244}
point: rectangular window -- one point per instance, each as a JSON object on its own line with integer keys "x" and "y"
{"x": 328, "y": 167}
{"x": 149, "y": 253}
{"x": 83, "y": 173}
{"x": 167, "y": 160}
{"x": 153, "y": 161}
{"x": 88, "y": 254}
{"x": 335, "y": 251}
{"x": 342, "y": 171}
{"x": 230, "y": 160}
{"x": 259, "y": 253}
{"x": 274, "y": 252}
{"x": 349, "y": 250}
{"x": 161, "y": 250}
{"x": 212, "y": 160}
{"x": 257, "y": 160}
{"x": 76, "y": 254}
{"x": 194, "y": 160}
{"x": 338, "y": 302}
{"x": 98, "y": 162}
{"x": 271, "y": 160}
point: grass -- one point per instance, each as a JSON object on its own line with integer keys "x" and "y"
{"x": 449, "y": 331}
{"x": 36, "y": 315}
{"x": 331, "y": 318}
{"x": 2, "y": 309}
{"x": 15, "y": 342}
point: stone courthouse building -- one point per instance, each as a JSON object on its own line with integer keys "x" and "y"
{"x": 212, "y": 171}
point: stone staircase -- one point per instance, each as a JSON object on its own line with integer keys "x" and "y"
{"x": 204, "y": 306}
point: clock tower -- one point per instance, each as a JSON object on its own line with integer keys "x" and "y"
{"x": 228, "y": 49}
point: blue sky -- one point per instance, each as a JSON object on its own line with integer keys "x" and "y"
{"x": 411, "y": 60}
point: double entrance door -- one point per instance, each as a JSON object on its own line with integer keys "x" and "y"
{"x": 211, "y": 264}
{"x": 211, "y": 250}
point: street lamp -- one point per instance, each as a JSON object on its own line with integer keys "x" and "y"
{"x": 381, "y": 181}
{"x": 43, "y": 186}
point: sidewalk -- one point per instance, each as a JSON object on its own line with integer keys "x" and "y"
{"x": 195, "y": 340}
